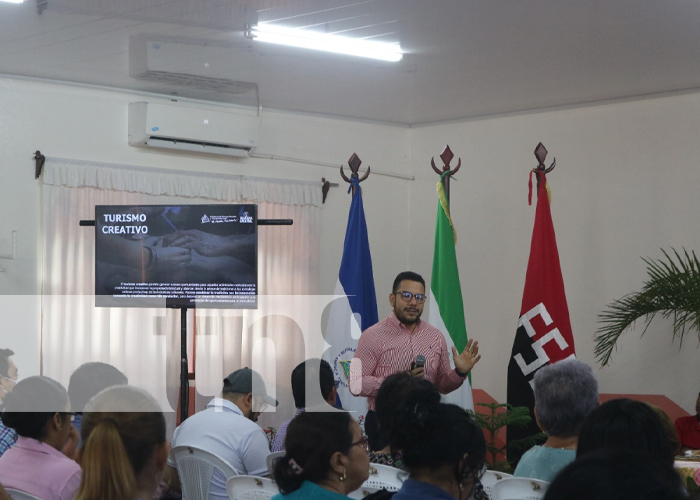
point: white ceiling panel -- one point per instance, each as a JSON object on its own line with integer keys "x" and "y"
{"x": 464, "y": 58}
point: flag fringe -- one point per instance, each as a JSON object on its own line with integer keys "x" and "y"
{"x": 446, "y": 208}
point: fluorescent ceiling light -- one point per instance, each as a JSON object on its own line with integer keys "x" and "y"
{"x": 326, "y": 42}
{"x": 12, "y": 1}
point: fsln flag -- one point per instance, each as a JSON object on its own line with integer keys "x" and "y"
{"x": 446, "y": 306}
{"x": 544, "y": 330}
{"x": 356, "y": 310}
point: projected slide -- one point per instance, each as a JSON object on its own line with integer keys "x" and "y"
{"x": 176, "y": 256}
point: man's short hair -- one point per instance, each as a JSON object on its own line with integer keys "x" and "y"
{"x": 5, "y": 362}
{"x": 325, "y": 377}
{"x": 89, "y": 379}
{"x": 407, "y": 275}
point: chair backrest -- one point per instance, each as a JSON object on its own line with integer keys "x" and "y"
{"x": 251, "y": 488}
{"x": 383, "y": 476}
{"x": 380, "y": 476}
{"x": 196, "y": 467}
{"x": 491, "y": 477}
{"x": 362, "y": 492}
{"x": 518, "y": 488}
{"x": 20, "y": 495}
{"x": 272, "y": 459}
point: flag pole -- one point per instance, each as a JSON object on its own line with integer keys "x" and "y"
{"x": 446, "y": 173}
{"x": 356, "y": 307}
{"x": 354, "y": 163}
{"x": 540, "y": 169}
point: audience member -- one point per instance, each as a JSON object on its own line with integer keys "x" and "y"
{"x": 669, "y": 428}
{"x": 442, "y": 449}
{"x": 325, "y": 458}
{"x": 688, "y": 429}
{"x": 124, "y": 448}
{"x": 394, "y": 390}
{"x": 308, "y": 372}
{"x": 226, "y": 428}
{"x": 565, "y": 394}
{"x": 86, "y": 381}
{"x": 8, "y": 380}
{"x": 624, "y": 424}
{"x": 39, "y": 410}
{"x": 616, "y": 475}
{"x": 8, "y": 372}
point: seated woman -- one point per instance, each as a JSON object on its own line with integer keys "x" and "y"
{"x": 616, "y": 475}
{"x": 391, "y": 395}
{"x": 565, "y": 394}
{"x": 124, "y": 450}
{"x": 38, "y": 409}
{"x": 442, "y": 448}
{"x": 325, "y": 458}
{"x": 688, "y": 429}
{"x": 624, "y": 424}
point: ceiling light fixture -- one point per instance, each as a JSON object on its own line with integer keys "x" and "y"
{"x": 12, "y": 1}
{"x": 325, "y": 42}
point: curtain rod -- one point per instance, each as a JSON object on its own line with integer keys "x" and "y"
{"x": 328, "y": 165}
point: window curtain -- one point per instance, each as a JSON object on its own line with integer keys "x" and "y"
{"x": 145, "y": 343}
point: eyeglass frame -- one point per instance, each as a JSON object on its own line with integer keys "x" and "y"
{"x": 71, "y": 414}
{"x": 259, "y": 405}
{"x": 407, "y": 296}
{"x": 364, "y": 441}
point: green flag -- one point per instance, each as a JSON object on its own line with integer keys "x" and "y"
{"x": 446, "y": 306}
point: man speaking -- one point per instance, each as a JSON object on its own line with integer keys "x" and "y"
{"x": 402, "y": 342}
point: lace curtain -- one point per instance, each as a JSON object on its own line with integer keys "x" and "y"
{"x": 145, "y": 343}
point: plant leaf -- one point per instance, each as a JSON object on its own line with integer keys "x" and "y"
{"x": 672, "y": 290}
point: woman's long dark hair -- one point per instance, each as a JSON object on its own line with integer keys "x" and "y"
{"x": 624, "y": 424}
{"x": 431, "y": 435}
{"x": 312, "y": 439}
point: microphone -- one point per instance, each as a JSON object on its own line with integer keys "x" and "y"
{"x": 419, "y": 362}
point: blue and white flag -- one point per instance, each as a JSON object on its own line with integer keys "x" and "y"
{"x": 357, "y": 310}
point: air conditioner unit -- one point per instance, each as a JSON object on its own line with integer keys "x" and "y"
{"x": 190, "y": 128}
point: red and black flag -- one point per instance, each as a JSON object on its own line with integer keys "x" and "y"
{"x": 544, "y": 330}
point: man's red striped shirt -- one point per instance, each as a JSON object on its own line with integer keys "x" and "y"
{"x": 389, "y": 347}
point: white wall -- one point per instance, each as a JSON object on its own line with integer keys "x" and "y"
{"x": 79, "y": 123}
{"x": 625, "y": 186}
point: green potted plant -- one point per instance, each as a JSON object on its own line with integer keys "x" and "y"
{"x": 672, "y": 290}
{"x": 496, "y": 416}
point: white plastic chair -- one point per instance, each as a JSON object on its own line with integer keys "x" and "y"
{"x": 380, "y": 476}
{"x": 272, "y": 459}
{"x": 518, "y": 488}
{"x": 251, "y": 488}
{"x": 491, "y": 477}
{"x": 20, "y": 495}
{"x": 196, "y": 467}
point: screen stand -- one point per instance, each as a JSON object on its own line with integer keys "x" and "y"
{"x": 184, "y": 369}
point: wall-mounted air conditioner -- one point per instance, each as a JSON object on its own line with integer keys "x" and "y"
{"x": 191, "y": 128}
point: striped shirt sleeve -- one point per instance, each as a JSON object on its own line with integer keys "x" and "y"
{"x": 363, "y": 382}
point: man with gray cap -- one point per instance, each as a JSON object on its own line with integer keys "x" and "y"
{"x": 227, "y": 429}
